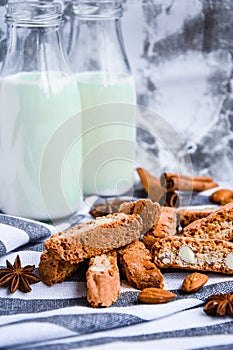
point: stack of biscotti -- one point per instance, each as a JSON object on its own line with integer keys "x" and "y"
{"x": 138, "y": 241}
{"x": 65, "y": 250}
{"x": 100, "y": 240}
{"x": 205, "y": 244}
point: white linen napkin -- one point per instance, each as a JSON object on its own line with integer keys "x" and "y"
{"x": 16, "y": 232}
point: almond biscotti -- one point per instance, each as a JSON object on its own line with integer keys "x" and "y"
{"x": 52, "y": 270}
{"x": 148, "y": 211}
{"x": 138, "y": 267}
{"x": 218, "y": 225}
{"x": 94, "y": 238}
{"x": 103, "y": 280}
{"x": 194, "y": 254}
{"x": 166, "y": 226}
{"x": 186, "y": 216}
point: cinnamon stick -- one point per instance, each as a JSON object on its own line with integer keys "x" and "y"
{"x": 195, "y": 178}
{"x": 151, "y": 184}
{"x": 156, "y": 192}
{"x": 173, "y": 182}
{"x": 171, "y": 199}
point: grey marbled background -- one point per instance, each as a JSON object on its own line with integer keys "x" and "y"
{"x": 181, "y": 57}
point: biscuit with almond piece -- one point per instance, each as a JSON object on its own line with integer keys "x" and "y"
{"x": 94, "y": 238}
{"x": 103, "y": 280}
{"x": 194, "y": 254}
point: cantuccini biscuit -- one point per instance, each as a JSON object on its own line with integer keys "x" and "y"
{"x": 218, "y": 225}
{"x": 103, "y": 280}
{"x": 52, "y": 270}
{"x": 194, "y": 254}
{"x": 186, "y": 216}
{"x": 94, "y": 238}
{"x": 166, "y": 226}
{"x": 138, "y": 267}
{"x": 148, "y": 211}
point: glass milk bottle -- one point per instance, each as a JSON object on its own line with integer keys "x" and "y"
{"x": 98, "y": 59}
{"x": 40, "y": 127}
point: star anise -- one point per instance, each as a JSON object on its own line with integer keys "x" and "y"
{"x": 219, "y": 305}
{"x": 17, "y": 277}
{"x": 102, "y": 209}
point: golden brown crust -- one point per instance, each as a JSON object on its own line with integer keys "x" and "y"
{"x": 148, "y": 211}
{"x": 138, "y": 267}
{"x": 149, "y": 239}
{"x": 103, "y": 280}
{"x": 187, "y": 216}
{"x": 194, "y": 254}
{"x": 166, "y": 226}
{"x": 167, "y": 223}
{"x": 218, "y": 225}
{"x": 87, "y": 240}
{"x": 52, "y": 271}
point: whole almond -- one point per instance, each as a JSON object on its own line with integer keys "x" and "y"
{"x": 192, "y": 283}
{"x": 222, "y": 196}
{"x": 155, "y": 296}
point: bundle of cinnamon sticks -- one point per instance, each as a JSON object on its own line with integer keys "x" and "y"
{"x": 163, "y": 189}
{"x": 174, "y": 182}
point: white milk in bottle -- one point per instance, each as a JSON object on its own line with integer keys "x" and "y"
{"x": 108, "y": 131}
{"x": 39, "y": 118}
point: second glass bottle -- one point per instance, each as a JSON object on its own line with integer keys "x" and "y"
{"x": 107, "y": 92}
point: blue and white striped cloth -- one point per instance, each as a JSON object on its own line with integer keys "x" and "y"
{"x": 15, "y": 232}
{"x": 59, "y": 317}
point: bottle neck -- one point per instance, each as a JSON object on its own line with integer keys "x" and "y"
{"x": 98, "y": 46}
{"x": 33, "y": 37}
{"x": 33, "y": 48}
{"x": 99, "y": 9}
